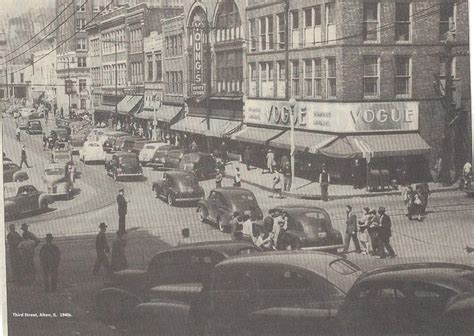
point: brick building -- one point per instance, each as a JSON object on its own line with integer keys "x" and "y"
{"x": 362, "y": 74}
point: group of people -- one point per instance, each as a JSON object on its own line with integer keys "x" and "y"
{"x": 21, "y": 250}
{"x": 118, "y": 260}
{"x": 370, "y": 233}
{"x": 416, "y": 200}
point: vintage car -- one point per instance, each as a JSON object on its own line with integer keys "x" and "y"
{"x": 223, "y": 202}
{"x": 34, "y": 127}
{"x": 91, "y": 151}
{"x": 65, "y": 157}
{"x": 13, "y": 173}
{"x": 148, "y": 151}
{"x": 60, "y": 136}
{"x": 175, "y": 274}
{"x": 202, "y": 165}
{"x": 125, "y": 143}
{"x": 158, "y": 159}
{"x": 123, "y": 164}
{"x": 411, "y": 299}
{"x": 108, "y": 139}
{"x": 27, "y": 112}
{"x": 24, "y": 198}
{"x": 140, "y": 144}
{"x": 23, "y": 122}
{"x": 174, "y": 156}
{"x": 78, "y": 138}
{"x": 97, "y": 132}
{"x": 309, "y": 228}
{"x": 178, "y": 186}
{"x": 57, "y": 182}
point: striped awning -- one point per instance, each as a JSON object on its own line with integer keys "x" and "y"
{"x": 217, "y": 127}
{"x": 129, "y": 104}
{"x": 304, "y": 141}
{"x": 257, "y": 135}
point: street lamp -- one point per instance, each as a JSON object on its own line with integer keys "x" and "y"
{"x": 292, "y": 103}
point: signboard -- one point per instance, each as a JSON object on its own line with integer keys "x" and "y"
{"x": 198, "y": 87}
{"x": 336, "y": 117}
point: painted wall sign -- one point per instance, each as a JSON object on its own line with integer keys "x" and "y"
{"x": 336, "y": 117}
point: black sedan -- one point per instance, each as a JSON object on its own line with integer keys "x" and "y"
{"x": 178, "y": 186}
{"x": 202, "y": 165}
{"x": 122, "y": 165}
{"x": 174, "y": 156}
{"x": 34, "y": 127}
{"x": 310, "y": 228}
{"x": 160, "y": 154}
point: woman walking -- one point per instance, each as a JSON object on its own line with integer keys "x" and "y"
{"x": 363, "y": 226}
{"x": 277, "y": 185}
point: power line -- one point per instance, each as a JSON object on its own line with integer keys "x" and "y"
{"x": 63, "y": 42}
{"x": 11, "y": 52}
{"x": 41, "y": 40}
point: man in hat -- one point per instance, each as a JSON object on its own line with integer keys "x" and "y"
{"x": 23, "y": 158}
{"x": 14, "y": 239}
{"x": 122, "y": 209}
{"x": 324, "y": 181}
{"x": 26, "y": 250}
{"x": 49, "y": 258}
{"x": 219, "y": 178}
{"x": 235, "y": 225}
{"x": 351, "y": 230}
{"x": 384, "y": 234}
{"x": 102, "y": 249}
{"x": 185, "y": 237}
{"x": 29, "y": 234}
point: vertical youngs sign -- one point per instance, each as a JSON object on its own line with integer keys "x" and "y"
{"x": 198, "y": 87}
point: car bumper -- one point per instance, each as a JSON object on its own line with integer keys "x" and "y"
{"x": 189, "y": 199}
{"x": 129, "y": 174}
{"x": 323, "y": 248}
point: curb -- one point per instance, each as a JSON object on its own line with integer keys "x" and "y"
{"x": 336, "y": 197}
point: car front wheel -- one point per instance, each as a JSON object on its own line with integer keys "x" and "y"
{"x": 171, "y": 199}
{"x": 220, "y": 225}
{"x": 202, "y": 214}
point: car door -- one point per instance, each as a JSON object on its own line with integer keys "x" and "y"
{"x": 32, "y": 198}
{"x": 223, "y": 210}
{"x": 8, "y": 171}
{"x": 232, "y": 298}
{"x": 22, "y": 200}
{"x": 212, "y": 205}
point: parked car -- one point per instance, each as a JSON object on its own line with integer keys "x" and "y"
{"x": 174, "y": 156}
{"x": 108, "y": 139}
{"x": 140, "y": 144}
{"x": 64, "y": 157}
{"x": 78, "y": 138}
{"x": 177, "y": 274}
{"x": 411, "y": 299}
{"x": 223, "y": 202}
{"x": 23, "y": 122}
{"x": 148, "y": 151}
{"x": 159, "y": 157}
{"x": 60, "y": 135}
{"x": 178, "y": 186}
{"x": 12, "y": 172}
{"x": 23, "y": 198}
{"x": 310, "y": 228}
{"x": 123, "y": 164}
{"x": 202, "y": 165}
{"x": 97, "y": 132}
{"x": 125, "y": 143}
{"x": 34, "y": 127}
{"x": 91, "y": 151}
{"x": 57, "y": 181}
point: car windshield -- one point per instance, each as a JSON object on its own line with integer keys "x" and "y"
{"x": 130, "y": 160}
{"x": 187, "y": 180}
{"x": 191, "y": 157}
{"x": 317, "y": 222}
{"x": 54, "y": 171}
{"x": 35, "y": 124}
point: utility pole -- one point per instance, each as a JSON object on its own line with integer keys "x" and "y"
{"x": 287, "y": 52}
{"x": 70, "y": 88}
{"x": 208, "y": 84}
{"x": 6, "y": 76}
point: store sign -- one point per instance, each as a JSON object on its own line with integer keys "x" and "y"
{"x": 335, "y": 117}
{"x": 198, "y": 87}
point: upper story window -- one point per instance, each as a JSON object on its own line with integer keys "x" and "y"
{"x": 281, "y": 24}
{"x": 22, "y": 77}
{"x": 370, "y": 29}
{"x": 253, "y": 35}
{"x": 371, "y": 76}
{"x": 81, "y": 44}
{"x": 159, "y": 67}
{"x": 295, "y": 78}
{"x": 81, "y": 62}
{"x": 331, "y": 77}
{"x": 80, "y": 6}
{"x": 266, "y": 33}
{"x": 295, "y": 29}
{"x": 228, "y": 21}
{"x": 447, "y": 19}
{"x": 402, "y": 22}
{"x": 330, "y": 22}
{"x": 403, "y": 76}
{"x": 80, "y": 24}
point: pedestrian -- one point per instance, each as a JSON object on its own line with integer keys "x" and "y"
{"x": 223, "y": 152}
{"x": 247, "y": 225}
{"x": 287, "y": 178}
{"x": 45, "y": 141}
{"x": 357, "y": 175}
{"x": 351, "y": 231}
{"x": 247, "y": 157}
{"x": 364, "y": 238}
{"x": 29, "y": 234}
{"x": 219, "y": 178}
{"x": 270, "y": 161}
{"x": 324, "y": 181}
{"x": 284, "y": 161}
{"x": 410, "y": 202}
{"x": 235, "y": 225}
{"x": 50, "y": 258}
{"x": 18, "y": 133}
{"x": 14, "y": 239}
{"x": 102, "y": 249}
{"x": 384, "y": 234}
{"x": 279, "y": 232}
{"x": 276, "y": 185}
{"x": 372, "y": 229}
{"x": 424, "y": 196}
{"x": 23, "y": 158}
{"x": 62, "y": 113}
{"x": 185, "y": 237}
{"x": 237, "y": 178}
{"x": 417, "y": 205}
{"x": 122, "y": 209}
{"x": 27, "y": 253}
{"x": 118, "y": 261}
{"x": 194, "y": 146}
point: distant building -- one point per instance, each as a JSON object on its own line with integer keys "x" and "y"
{"x": 3, "y": 67}
{"x": 43, "y": 75}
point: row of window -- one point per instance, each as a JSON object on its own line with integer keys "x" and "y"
{"x": 94, "y": 47}
{"x": 109, "y": 74}
{"x": 136, "y": 72}
{"x": 109, "y": 39}
{"x": 136, "y": 40}
{"x": 174, "y": 45}
{"x": 80, "y": 24}
{"x": 174, "y": 82}
{"x": 154, "y": 68}
{"x": 81, "y": 44}
{"x": 95, "y": 76}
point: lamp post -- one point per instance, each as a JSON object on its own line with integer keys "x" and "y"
{"x": 292, "y": 103}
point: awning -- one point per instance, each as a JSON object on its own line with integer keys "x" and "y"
{"x": 129, "y": 104}
{"x": 164, "y": 113}
{"x": 257, "y": 135}
{"x": 304, "y": 141}
{"x": 105, "y": 109}
{"x": 218, "y": 127}
{"x": 369, "y": 146}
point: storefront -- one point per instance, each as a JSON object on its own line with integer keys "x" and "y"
{"x": 384, "y": 135}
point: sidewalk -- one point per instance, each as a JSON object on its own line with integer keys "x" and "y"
{"x": 303, "y": 188}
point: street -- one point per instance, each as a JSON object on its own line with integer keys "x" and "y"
{"x": 153, "y": 225}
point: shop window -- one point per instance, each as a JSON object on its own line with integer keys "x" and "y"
{"x": 331, "y": 77}
{"x": 371, "y": 76}
{"x": 83, "y": 104}
{"x": 447, "y": 18}
{"x": 402, "y": 22}
{"x": 295, "y": 78}
{"x": 403, "y": 76}
{"x": 370, "y": 25}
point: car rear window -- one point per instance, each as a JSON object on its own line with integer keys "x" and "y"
{"x": 344, "y": 267}
{"x": 54, "y": 171}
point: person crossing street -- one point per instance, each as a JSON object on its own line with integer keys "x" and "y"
{"x": 351, "y": 231}
{"x": 122, "y": 209}
{"x": 384, "y": 234}
{"x": 102, "y": 249}
{"x": 23, "y": 158}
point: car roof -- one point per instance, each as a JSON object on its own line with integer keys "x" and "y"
{"x": 232, "y": 190}
{"x": 125, "y": 154}
{"x": 313, "y": 261}
{"x": 178, "y": 172}
{"x": 444, "y": 274}
{"x": 227, "y": 247}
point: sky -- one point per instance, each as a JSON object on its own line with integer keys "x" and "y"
{"x": 15, "y": 7}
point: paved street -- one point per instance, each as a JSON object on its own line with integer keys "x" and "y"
{"x": 154, "y": 225}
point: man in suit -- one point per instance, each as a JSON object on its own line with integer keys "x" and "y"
{"x": 324, "y": 181}
{"x": 23, "y": 158}
{"x": 50, "y": 257}
{"x": 102, "y": 249}
{"x": 122, "y": 209}
{"x": 384, "y": 234}
{"x": 351, "y": 230}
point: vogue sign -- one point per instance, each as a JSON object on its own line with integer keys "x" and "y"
{"x": 335, "y": 117}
